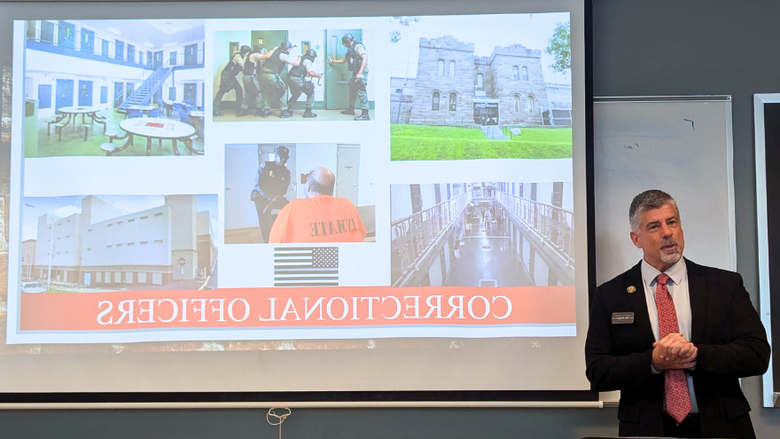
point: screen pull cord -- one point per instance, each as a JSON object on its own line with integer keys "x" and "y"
{"x": 279, "y": 417}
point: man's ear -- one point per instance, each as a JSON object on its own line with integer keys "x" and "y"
{"x": 635, "y": 239}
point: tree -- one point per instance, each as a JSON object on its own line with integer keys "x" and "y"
{"x": 395, "y": 34}
{"x": 560, "y": 47}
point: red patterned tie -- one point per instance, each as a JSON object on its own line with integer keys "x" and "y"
{"x": 678, "y": 399}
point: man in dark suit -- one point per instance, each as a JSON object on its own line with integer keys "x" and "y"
{"x": 674, "y": 336}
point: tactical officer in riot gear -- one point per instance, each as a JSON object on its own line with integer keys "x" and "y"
{"x": 228, "y": 80}
{"x": 357, "y": 62}
{"x": 254, "y": 96}
{"x": 297, "y": 84}
{"x": 273, "y": 179}
{"x": 270, "y": 81}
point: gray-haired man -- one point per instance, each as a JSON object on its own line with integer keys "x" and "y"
{"x": 674, "y": 336}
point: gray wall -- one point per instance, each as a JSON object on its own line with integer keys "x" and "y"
{"x": 641, "y": 47}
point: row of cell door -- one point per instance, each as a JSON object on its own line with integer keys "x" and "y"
{"x": 65, "y": 93}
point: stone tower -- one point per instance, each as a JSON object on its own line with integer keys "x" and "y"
{"x": 517, "y": 77}
{"x": 445, "y": 69}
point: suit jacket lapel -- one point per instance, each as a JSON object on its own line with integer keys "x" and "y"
{"x": 638, "y": 303}
{"x": 697, "y": 291}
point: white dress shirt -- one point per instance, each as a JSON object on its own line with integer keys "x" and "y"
{"x": 678, "y": 289}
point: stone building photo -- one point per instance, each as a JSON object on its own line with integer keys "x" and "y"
{"x": 109, "y": 243}
{"x": 481, "y": 87}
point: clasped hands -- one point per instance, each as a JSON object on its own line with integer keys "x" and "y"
{"x": 674, "y": 352}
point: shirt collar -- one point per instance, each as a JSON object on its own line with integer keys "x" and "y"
{"x": 676, "y": 272}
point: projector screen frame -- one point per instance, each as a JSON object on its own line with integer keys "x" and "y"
{"x": 322, "y": 399}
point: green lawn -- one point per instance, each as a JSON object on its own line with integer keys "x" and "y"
{"x": 422, "y": 142}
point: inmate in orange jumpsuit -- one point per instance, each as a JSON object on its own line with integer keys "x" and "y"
{"x": 318, "y": 219}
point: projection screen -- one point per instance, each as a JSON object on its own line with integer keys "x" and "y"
{"x": 294, "y": 196}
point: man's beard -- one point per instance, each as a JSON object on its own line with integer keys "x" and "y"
{"x": 671, "y": 258}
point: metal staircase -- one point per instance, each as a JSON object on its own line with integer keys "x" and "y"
{"x": 150, "y": 86}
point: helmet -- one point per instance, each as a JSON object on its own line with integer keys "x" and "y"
{"x": 347, "y": 38}
{"x": 311, "y": 53}
{"x": 244, "y": 50}
{"x": 283, "y": 152}
{"x": 286, "y": 46}
{"x": 257, "y": 48}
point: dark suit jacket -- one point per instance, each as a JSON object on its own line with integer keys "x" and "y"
{"x": 725, "y": 328}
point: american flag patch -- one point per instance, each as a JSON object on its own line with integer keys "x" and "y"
{"x": 306, "y": 266}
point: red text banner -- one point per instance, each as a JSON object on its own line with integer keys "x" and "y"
{"x": 296, "y": 308}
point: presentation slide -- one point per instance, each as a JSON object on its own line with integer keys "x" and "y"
{"x": 373, "y": 193}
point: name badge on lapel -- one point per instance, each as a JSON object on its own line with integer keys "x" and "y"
{"x": 622, "y": 318}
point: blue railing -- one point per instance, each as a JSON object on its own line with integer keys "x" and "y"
{"x": 64, "y": 38}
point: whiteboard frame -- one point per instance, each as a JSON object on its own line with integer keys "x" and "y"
{"x": 762, "y": 231}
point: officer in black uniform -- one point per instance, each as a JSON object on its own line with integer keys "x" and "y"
{"x": 356, "y": 59}
{"x": 228, "y": 80}
{"x": 297, "y": 84}
{"x": 273, "y": 179}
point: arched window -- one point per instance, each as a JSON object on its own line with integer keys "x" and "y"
{"x": 440, "y": 69}
{"x": 451, "y": 71}
{"x": 516, "y": 73}
{"x": 517, "y": 104}
{"x": 529, "y": 104}
{"x": 525, "y": 73}
{"x": 435, "y": 101}
{"x": 480, "y": 79}
{"x": 453, "y": 101}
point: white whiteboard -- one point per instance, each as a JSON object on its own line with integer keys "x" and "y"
{"x": 681, "y": 145}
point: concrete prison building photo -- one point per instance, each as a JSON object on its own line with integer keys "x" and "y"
{"x": 104, "y": 248}
{"x": 482, "y": 234}
{"x": 455, "y": 87}
{"x": 84, "y": 77}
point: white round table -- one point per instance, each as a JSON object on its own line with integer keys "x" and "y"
{"x": 71, "y": 113}
{"x": 144, "y": 108}
{"x": 157, "y": 128}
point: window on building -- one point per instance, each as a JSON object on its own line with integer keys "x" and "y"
{"x": 108, "y": 246}
{"x": 480, "y": 80}
{"x": 517, "y": 103}
{"x": 145, "y": 217}
{"x": 110, "y": 224}
{"x": 144, "y": 242}
{"x": 119, "y": 245}
{"x": 525, "y": 73}
{"x": 131, "y": 220}
{"x": 453, "y": 101}
{"x": 158, "y": 214}
{"x": 119, "y": 222}
{"x": 515, "y": 73}
{"x": 158, "y": 241}
{"x": 451, "y": 70}
{"x": 440, "y": 69}
{"x": 130, "y": 243}
{"x": 529, "y": 104}
{"x": 435, "y": 101}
